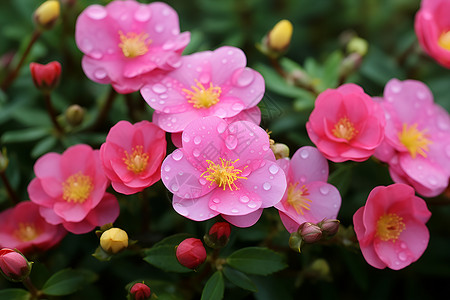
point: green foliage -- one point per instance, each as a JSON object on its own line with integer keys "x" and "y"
{"x": 256, "y": 260}
{"x": 15, "y": 294}
{"x": 214, "y": 287}
{"x": 67, "y": 281}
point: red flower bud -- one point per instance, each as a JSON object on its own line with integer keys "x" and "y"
{"x": 191, "y": 253}
{"x": 46, "y": 77}
{"x": 140, "y": 291}
{"x": 310, "y": 232}
{"x": 13, "y": 265}
{"x": 218, "y": 235}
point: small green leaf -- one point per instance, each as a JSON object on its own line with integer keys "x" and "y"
{"x": 173, "y": 240}
{"x": 66, "y": 282}
{"x": 214, "y": 287}
{"x": 15, "y": 294}
{"x": 163, "y": 257}
{"x": 24, "y": 135}
{"x": 43, "y": 146}
{"x": 256, "y": 260}
{"x": 239, "y": 279}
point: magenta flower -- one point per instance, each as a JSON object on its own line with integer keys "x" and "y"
{"x": 432, "y": 27}
{"x": 126, "y": 43}
{"x": 417, "y": 137}
{"x": 346, "y": 124}
{"x": 132, "y": 155}
{"x": 23, "y": 228}
{"x": 225, "y": 169}
{"x": 209, "y": 83}
{"x": 308, "y": 198}
{"x": 391, "y": 227}
{"x": 70, "y": 190}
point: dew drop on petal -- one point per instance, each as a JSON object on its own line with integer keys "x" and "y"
{"x": 221, "y": 127}
{"x": 204, "y": 78}
{"x": 304, "y": 154}
{"x": 86, "y": 45}
{"x": 167, "y": 168}
{"x": 324, "y": 190}
{"x": 197, "y": 140}
{"x": 196, "y": 153}
{"x": 244, "y": 77}
{"x": 159, "y": 88}
{"x": 231, "y": 142}
{"x": 213, "y": 207}
{"x": 96, "y": 54}
{"x": 168, "y": 45}
{"x": 221, "y": 113}
{"x": 174, "y": 187}
{"x": 159, "y": 28}
{"x": 186, "y": 138}
{"x": 235, "y": 210}
{"x": 252, "y": 205}
{"x": 177, "y": 155}
{"x": 244, "y": 199}
{"x": 202, "y": 181}
{"x": 396, "y": 88}
{"x": 216, "y": 200}
{"x": 266, "y": 186}
{"x": 273, "y": 169}
{"x": 142, "y": 14}
{"x": 100, "y": 73}
{"x": 302, "y": 178}
{"x": 237, "y": 106}
{"x": 181, "y": 209}
{"x": 96, "y": 12}
{"x": 402, "y": 256}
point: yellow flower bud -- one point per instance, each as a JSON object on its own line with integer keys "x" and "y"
{"x": 114, "y": 240}
{"x": 46, "y": 15}
{"x": 358, "y": 45}
{"x": 280, "y": 35}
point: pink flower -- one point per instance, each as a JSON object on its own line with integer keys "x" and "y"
{"x": 346, "y": 124}
{"x": 23, "y": 228}
{"x": 126, "y": 42}
{"x": 225, "y": 169}
{"x": 432, "y": 27}
{"x": 132, "y": 155}
{"x": 391, "y": 227}
{"x": 308, "y": 198}
{"x": 70, "y": 190}
{"x": 417, "y": 137}
{"x": 209, "y": 83}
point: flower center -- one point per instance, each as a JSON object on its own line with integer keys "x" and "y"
{"x": 26, "y": 232}
{"x": 224, "y": 174}
{"x": 344, "y": 129}
{"x": 389, "y": 227}
{"x": 77, "y": 188}
{"x": 201, "y": 97}
{"x": 296, "y": 198}
{"x": 414, "y": 140}
{"x": 137, "y": 161}
{"x": 133, "y": 44}
{"x": 444, "y": 40}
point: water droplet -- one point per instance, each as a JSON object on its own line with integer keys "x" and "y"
{"x": 100, "y": 73}
{"x": 304, "y": 154}
{"x": 265, "y": 147}
{"x": 443, "y": 123}
{"x": 402, "y": 256}
{"x": 213, "y": 207}
{"x": 159, "y": 28}
{"x": 180, "y": 173}
{"x": 96, "y": 12}
{"x": 403, "y": 245}
{"x": 224, "y": 61}
{"x": 202, "y": 181}
{"x": 432, "y": 180}
{"x": 237, "y": 106}
{"x": 221, "y": 128}
{"x": 185, "y": 138}
{"x": 196, "y": 152}
{"x": 167, "y": 168}
{"x": 302, "y": 178}
{"x": 273, "y": 169}
{"x": 221, "y": 113}
{"x": 142, "y": 14}
{"x": 324, "y": 190}
{"x": 244, "y": 77}
{"x": 266, "y": 186}
{"x": 231, "y": 142}
{"x": 197, "y": 140}
{"x": 421, "y": 95}
{"x": 168, "y": 45}
{"x": 159, "y": 88}
{"x": 204, "y": 78}
{"x": 175, "y": 187}
{"x": 96, "y": 54}
{"x": 252, "y": 205}
{"x": 216, "y": 200}
{"x": 396, "y": 88}
{"x": 244, "y": 199}
{"x": 181, "y": 209}
{"x": 235, "y": 210}
{"x": 230, "y": 52}
{"x": 166, "y": 12}
{"x": 177, "y": 155}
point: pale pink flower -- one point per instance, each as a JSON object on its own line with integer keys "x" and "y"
{"x": 23, "y": 228}
{"x": 70, "y": 190}
{"x": 432, "y": 27}
{"x": 225, "y": 169}
{"x": 346, "y": 124}
{"x": 308, "y": 198}
{"x": 126, "y": 43}
{"x": 391, "y": 227}
{"x": 417, "y": 137}
{"x": 209, "y": 83}
{"x": 132, "y": 155}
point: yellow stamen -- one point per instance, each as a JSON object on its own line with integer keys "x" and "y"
{"x": 223, "y": 174}
{"x": 77, "y": 188}
{"x": 26, "y": 232}
{"x": 389, "y": 227}
{"x": 133, "y": 44}
{"x": 344, "y": 129}
{"x": 414, "y": 140}
{"x": 444, "y": 40}
{"x": 201, "y": 97}
{"x": 296, "y": 198}
{"x": 137, "y": 161}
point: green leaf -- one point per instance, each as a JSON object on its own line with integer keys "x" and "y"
{"x": 214, "y": 287}
{"x": 66, "y": 282}
{"x": 43, "y": 146}
{"x": 240, "y": 279}
{"x": 15, "y": 294}
{"x": 256, "y": 260}
{"x": 24, "y": 135}
{"x": 163, "y": 257}
{"x": 173, "y": 240}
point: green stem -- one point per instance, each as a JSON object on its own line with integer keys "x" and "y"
{"x": 35, "y": 293}
{"x": 12, "y": 76}
{"x": 12, "y": 195}
{"x": 51, "y": 112}
{"x": 105, "y": 109}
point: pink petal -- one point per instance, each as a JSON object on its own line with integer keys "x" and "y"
{"x": 49, "y": 215}
{"x": 48, "y": 166}
{"x": 196, "y": 209}
{"x": 290, "y": 225}
{"x": 176, "y": 139}
{"x": 245, "y": 220}
{"x": 238, "y": 202}
{"x": 308, "y": 165}
{"x": 120, "y": 187}
{"x": 105, "y": 212}
{"x": 70, "y": 212}
{"x": 38, "y": 195}
{"x": 79, "y": 227}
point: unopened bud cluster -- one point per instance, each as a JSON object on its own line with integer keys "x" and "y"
{"x": 311, "y": 233}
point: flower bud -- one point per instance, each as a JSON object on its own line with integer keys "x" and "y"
{"x": 329, "y": 227}
{"x": 140, "y": 291}
{"x": 4, "y": 161}
{"x": 74, "y": 115}
{"x": 320, "y": 269}
{"x": 310, "y": 232}
{"x": 296, "y": 242}
{"x": 114, "y": 240}
{"x": 46, "y": 77}
{"x": 47, "y": 14}
{"x": 280, "y": 36}
{"x": 280, "y": 150}
{"x": 13, "y": 265}
{"x": 218, "y": 236}
{"x": 191, "y": 253}
{"x": 358, "y": 45}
